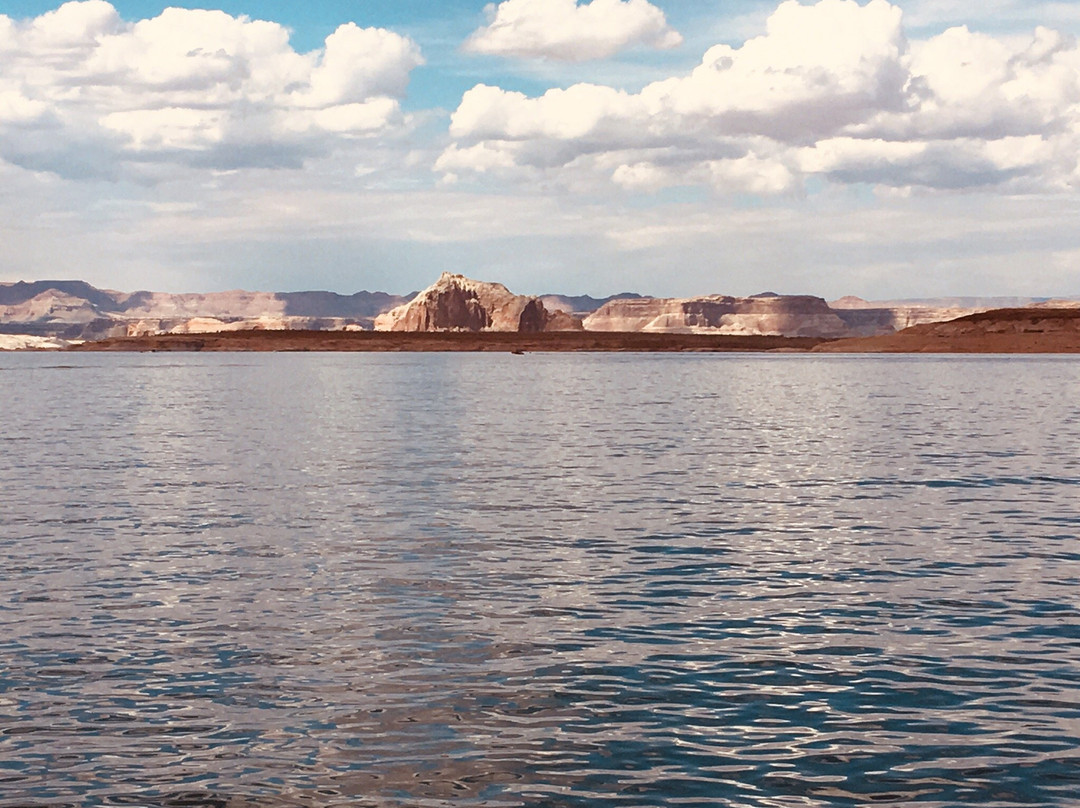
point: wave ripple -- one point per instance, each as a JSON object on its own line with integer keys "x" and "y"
{"x": 571, "y": 580}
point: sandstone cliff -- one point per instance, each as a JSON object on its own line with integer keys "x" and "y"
{"x": 1024, "y": 330}
{"x": 457, "y": 303}
{"x": 211, "y": 325}
{"x": 791, "y": 315}
{"x": 866, "y": 319}
{"x": 75, "y": 309}
{"x": 51, "y": 306}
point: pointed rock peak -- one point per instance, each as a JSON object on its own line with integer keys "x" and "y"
{"x": 455, "y": 280}
{"x": 850, "y": 302}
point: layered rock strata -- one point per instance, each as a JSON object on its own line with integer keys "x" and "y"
{"x": 788, "y": 315}
{"x": 457, "y": 303}
{"x": 75, "y": 309}
{"x": 1024, "y": 330}
{"x": 866, "y": 319}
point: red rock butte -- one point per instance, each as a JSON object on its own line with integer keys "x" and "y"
{"x": 457, "y": 303}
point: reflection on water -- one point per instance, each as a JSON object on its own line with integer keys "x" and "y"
{"x": 576, "y": 580}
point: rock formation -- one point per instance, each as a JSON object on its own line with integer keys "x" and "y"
{"x": 789, "y": 315}
{"x": 74, "y": 309}
{"x": 50, "y": 306}
{"x": 792, "y": 315}
{"x": 25, "y": 342}
{"x": 212, "y": 325}
{"x": 1024, "y": 330}
{"x": 866, "y": 319}
{"x": 457, "y": 303}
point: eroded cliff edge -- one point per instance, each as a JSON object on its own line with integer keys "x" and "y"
{"x": 789, "y": 315}
{"x": 771, "y": 314}
{"x": 1006, "y": 331}
{"x": 32, "y": 313}
{"x": 457, "y": 303}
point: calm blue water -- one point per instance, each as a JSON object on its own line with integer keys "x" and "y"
{"x": 562, "y": 580}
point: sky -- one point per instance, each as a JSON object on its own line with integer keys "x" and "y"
{"x": 912, "y": 148}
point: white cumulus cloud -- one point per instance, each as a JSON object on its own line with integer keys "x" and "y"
{"x": 565, "y": 30}
{"x": 834, "y": 89}
{"x": 85, "y": 93}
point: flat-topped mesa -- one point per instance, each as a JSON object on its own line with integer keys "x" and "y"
{"x": 761, "y": 315}
{"x": 77, "y": 310}
{"x": 457, "y": 303}
{"x": 1019, "y": 330}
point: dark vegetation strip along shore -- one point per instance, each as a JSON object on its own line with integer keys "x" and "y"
{"x": 446, "y": 341}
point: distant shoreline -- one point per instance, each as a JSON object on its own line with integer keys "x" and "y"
{"x": 454, "y": 341}
{"x": 1003, "y": 331}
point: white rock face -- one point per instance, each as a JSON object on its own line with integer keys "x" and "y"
{"x": 457, "y": 303}
{"x": 211, "y": 325}
{"x": 782, "y": 315}
{"x": 767, "y": 315}
{"x": 25, "y": 342}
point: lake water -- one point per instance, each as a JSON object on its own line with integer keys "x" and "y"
{"x": 551, "y": 580}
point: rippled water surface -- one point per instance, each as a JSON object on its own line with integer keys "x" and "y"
{"x": 550, "y": 580}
